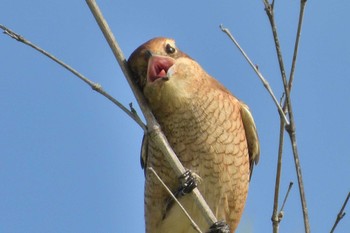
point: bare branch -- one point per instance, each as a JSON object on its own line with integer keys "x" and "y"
{"x": 286, "y": 197}
{"x": 194, "y": 225}
{"x": 275, "y": 218}
{"x": 290, "y": 128}
{"x": 296, "y": 45}
{"x": 341, "y": 213}
{"x": 263, "y": 80}
{"x": 154, "y": 130}
{"x": 95, "y": 86}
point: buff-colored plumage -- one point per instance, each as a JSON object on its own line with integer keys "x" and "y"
{"x": 211, "y": 131}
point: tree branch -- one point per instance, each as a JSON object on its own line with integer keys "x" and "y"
{"x": 263, "y": 80}
{"x": 341, "y": 213}
{"x": 296, "y": 45}
{"x": 95, "y": 86}
{"x": 154, "y": 130}
{"x": 291, "y": 127}
{"x": 275, "y": 218}
{"x": 286, "y": 197}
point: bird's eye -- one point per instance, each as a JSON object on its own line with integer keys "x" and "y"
{"x": 170, "y": 49}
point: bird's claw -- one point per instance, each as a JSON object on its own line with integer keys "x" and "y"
{"x": 219, "y": 227}
{"x": 188, "y": 183}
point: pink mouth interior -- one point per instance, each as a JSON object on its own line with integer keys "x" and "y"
{"x": 158, "y": 67}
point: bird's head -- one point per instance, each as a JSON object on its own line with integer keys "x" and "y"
{"x": 162, "y": 71}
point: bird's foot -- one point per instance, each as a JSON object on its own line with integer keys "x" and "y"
{"x": 188, "y": 183}
{"x": 219, "y": 227}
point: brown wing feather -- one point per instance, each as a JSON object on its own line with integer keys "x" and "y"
{"x": 251, "y": 135}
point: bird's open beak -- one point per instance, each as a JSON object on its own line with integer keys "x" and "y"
{"x": 158, "y": 67}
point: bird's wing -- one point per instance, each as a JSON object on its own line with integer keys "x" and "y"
{"x": 144, "y": 152}
{"x": 251, "y": 135}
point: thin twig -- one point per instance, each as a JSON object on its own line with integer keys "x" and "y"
{"x": 275, "y": 218}
{"x": 194, "y": 225}
{"x": 281, "y": 213}
{"x": 296, "y": 45}
{"x": 286, "y": 197}
{"x": 341, "y": 213}
{"x": 153, "y": 127}
{"x": 95, "y": 86}
{"x": 273, "y": 4}
{"x": 263, "y": 80}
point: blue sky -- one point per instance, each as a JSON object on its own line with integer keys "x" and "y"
{"x": 69, "y": 159}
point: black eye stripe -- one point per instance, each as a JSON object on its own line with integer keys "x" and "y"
{"x": 169, "y": 49}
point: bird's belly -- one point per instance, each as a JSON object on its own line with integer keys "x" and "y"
{"x": 224, "y": 187}
{"x": 216, "y": 152}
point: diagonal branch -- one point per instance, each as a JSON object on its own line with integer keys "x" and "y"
{"x": 341, "y": 213}
{"x": 296, "y": 45}
{"x": 263, "y": 80}
{"x": 286, "y": 196}
{"x": 280, "y": 214}
{"x": 95, "y": 86}
{"x": 154, "y": 130}
{"x": 194, "y": 225}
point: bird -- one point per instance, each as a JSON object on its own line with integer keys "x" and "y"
{"x": 212, "y": 132}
